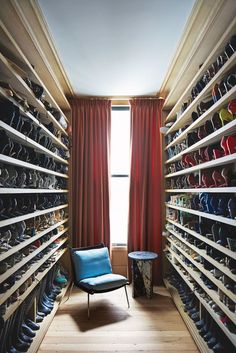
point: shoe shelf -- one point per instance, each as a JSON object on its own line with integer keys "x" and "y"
{"x": 214, "y": 163}
{"x": 189, "y": 323}
{"x": 12, "y": 220}
{"x": 29, "y": 257}
{"x": 210, "y": 292}
{"x": 186, "y": 115}
{"x": 47, "y": 322}
{"x": 201, "y": 268}
{"x": 210, "y": 59}
{"x": 213, "y": 244}
{"x": 229, "y": 189}
{"x": 9, "y": 75}
{"x": 35, "y": 121}
{"x": 193, "y": 263}
{"x": 230, "y": 335}
{"x": 214, "y": 136}
{"x": 31, "y": 191}
{"x": 19, "y": 163}
{"x": 217, "y": 218}
{"x": 204, "y": 255}
{"x": 10, "y": 49}
{"x": 28, "y": 142}
{"x": 31, "y": 240}
{"x": 38, "y": 278}
{"x": 32, "y": 270}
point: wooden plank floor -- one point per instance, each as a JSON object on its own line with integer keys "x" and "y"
{"x": 148, "y": 326}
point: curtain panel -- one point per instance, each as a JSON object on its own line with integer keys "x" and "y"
{"x": 91, "y": 126}
{"x": 145, "y": 199}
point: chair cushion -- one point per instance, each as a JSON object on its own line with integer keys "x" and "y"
{"x": 104, "y": 283}
{"x": 91, "y": 263}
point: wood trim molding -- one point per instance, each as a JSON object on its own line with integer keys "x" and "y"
{"x": 208, "y": 21}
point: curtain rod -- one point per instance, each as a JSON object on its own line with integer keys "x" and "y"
{"x": 117, "y": 99}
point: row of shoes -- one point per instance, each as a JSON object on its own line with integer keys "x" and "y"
{"x": 16, "y": 150}
{"x": 210, "y": 178}
{"x": 10, "y": 114}
{"x": 211, "y": 252}
{"x": 18, "y": 205}
{"x": 17, "y": 177}
{"x": 18, "y": 256}
{"x": 38, "y": 92}
{"x": 18, "y": 275}
{"x": 218, "y": 204}
{"x": 206, "y": 326}
{"x": 225, "y": 147}
{"x": 218, "y": 120}
{"x": 14, "y": 234}
{"x": 209, "y": 284}
{"x": 210, "y": 73}
{"x": 17, "y": 333}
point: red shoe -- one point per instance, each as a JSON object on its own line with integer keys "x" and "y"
{"x": 218, "y": 153}
{"x": 202, "y": 154}
{"x": 232, "y": 106}
{"x": 219, "y": 179}
{"x": 190, "y": 160}
{"x": 231, "y": 144}
{"x": 224, "y": 145}
{"x": 192, "y": 181}
{"x": 201, "y": 133}
{"x": 207, "y": 180}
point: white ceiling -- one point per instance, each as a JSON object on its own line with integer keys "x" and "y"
{"x": 116, "y": 47}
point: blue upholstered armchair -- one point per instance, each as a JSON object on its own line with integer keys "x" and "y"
{"x": 93, "y": 273}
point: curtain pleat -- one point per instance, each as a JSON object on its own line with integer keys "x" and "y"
{"x": 91, "y": 126}
{"x": 145, "y": 198}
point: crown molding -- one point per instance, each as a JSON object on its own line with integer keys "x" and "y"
{"x": 207, "y": 23}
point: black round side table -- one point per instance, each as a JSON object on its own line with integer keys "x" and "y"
{"x": 142, "y": 272}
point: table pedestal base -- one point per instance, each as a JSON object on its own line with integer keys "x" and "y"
{"x": 142, "y": 278}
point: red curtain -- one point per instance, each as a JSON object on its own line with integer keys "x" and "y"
{"x": 91, "y": 125}
{"x": 145, "y": 199}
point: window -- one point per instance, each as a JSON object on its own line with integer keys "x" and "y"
{"x": 120, "y": 168}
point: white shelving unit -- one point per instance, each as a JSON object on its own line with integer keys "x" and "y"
{"x": 185, "y": 257}
{"x": 47, "y": 244}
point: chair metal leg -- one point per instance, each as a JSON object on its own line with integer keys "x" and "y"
{"x": 127, "y": 296}
{"x": 88, "y": 308}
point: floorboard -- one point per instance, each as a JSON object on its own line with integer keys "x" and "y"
{"x": 149, "y": 325}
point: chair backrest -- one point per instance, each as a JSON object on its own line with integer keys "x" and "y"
{"x": 90, "y": 262}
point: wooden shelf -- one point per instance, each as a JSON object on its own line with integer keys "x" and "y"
{"x": 217, "y": 218}
{"x": 28, "y": 142}
{"x": 19, "y": 163}
{"x": 31, "y": 270}
{"x": 215, "y": 137}
{"x": 189, "y": 323}
{"x": 230, "y": 189}
{"x": 214, "y": 163}
{"x": 29, "y": 257}
{"x": 231, "y": 29}
{"x": 34, "y": 120}
{"x": 30, "y": 215}
{"x": 31, "y": 191}
{"x": 221, "y": 248}
{"x": 213, "y": 294}
{"x": 203, "y": 254}
{"x": 230, "y": 335}
{"x": 9, "y": 75}
{"x": 11, "y": 50}
{"x": 185, "y": 118}
{"x": 208, "y": 274}
{"x": 13, "y": 307}
{"x": 32, "y": 239}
